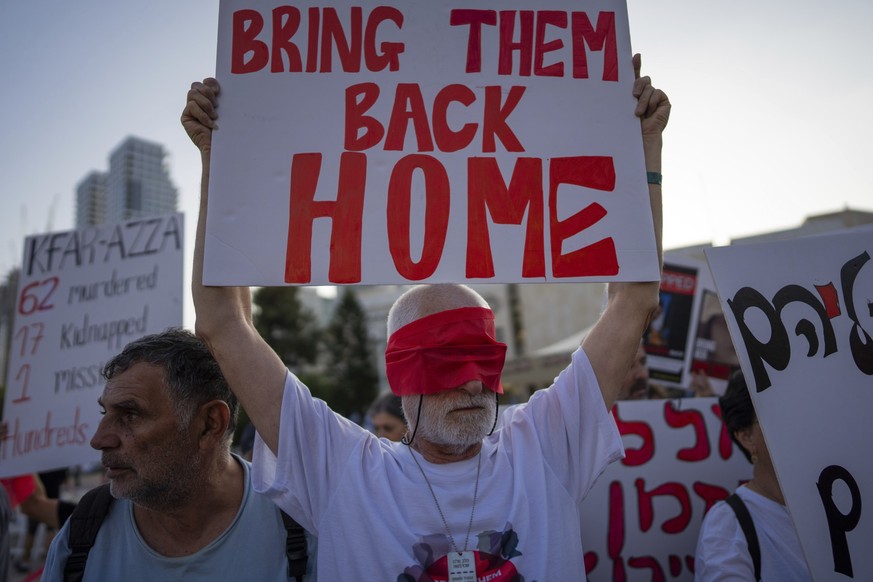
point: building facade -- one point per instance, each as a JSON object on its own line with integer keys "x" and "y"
{"x": 138, "y": 183}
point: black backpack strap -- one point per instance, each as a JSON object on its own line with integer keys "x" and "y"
{"x": 85, "y": 522}
{"x": 748, "y": 527}
{"x": 295, "y": 548}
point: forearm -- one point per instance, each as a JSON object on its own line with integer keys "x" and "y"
{"x": 216, "y": 308}
{"x": 224, "y": 321}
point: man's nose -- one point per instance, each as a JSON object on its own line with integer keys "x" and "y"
{"x": 104, "y": 437}
{"x": 472, "y": 387}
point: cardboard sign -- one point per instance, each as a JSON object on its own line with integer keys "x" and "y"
{"x": 82, "y": 296}
{"x": 667, "y": 340}
{"x": 800, "y": 315}
{"x": 641, "y": 519}
{"x": 426, "y": 142}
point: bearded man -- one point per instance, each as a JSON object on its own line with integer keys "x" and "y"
{"x": 459, "y": 500}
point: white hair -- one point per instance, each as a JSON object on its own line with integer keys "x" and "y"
{"x": 423, "y": 300}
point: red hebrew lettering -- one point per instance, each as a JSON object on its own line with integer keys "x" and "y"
{"x": 390, "y": 55}
{"x": 689, "y": 563}
{"x": 598, "y": 258}
{"x": 675, "y": 565}
{"x": 615, "y": 535}
{"x": 829, "y": 299}
{"x": 710, "y": 493}
{"x": 286, "y": 21}
{"x": 680, "y": 418}
{"x": 601, "y": 39}
{"x": 548, "y": 18}
{"x": 725, "y": 444}
{"x": 646, "y": 509}
{"x": 408, "y": 106}
{"x": 345, "y": 212}
{"x": 349, "y": 52}
{"x": 486, "y": 188}
{"x": 446, "y": 139}
{"x": 591, "y": 560}
{"x": 648, "y": 562}
{"x": 474, "y": 19}
{"x": 643, "y": 454}
{"x": 494, "y": 123}
{"x": 524, "y": 46}
{"x": 436, "y": 218}
{"x": 247, "y": 25}
{"x": 359, "y": 99}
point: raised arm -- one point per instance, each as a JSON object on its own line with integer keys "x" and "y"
{"x": 224, "y": 314}
{"x": 613, "y": 341}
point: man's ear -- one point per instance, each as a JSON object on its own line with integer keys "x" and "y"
{"x": 215, "y": 417}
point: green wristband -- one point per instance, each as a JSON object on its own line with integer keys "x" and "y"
{"x": 654, "y": 178}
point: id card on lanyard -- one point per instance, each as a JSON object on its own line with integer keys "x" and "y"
{"x": 462, "y": 566}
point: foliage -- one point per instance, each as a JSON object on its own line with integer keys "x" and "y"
{"x": 354, "y": 379}
{"x": 286, "y": 325}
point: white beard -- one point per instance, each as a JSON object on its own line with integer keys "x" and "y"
{"x": 440, "y": 425}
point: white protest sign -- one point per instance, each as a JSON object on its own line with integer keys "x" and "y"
{"x": 800, "y": 315}
{"x": 426, "y": 142}
{"x": 641, "y": 519}
{"x": 82, "y": 296}
{"x": 668, "y": 339}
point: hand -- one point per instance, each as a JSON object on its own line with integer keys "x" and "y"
{"x": 199, "y": 115}
{"x": 653, "y": 106}
{"x": 700, "y": 384}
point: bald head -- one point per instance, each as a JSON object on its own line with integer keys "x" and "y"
{"x": 424, "y": 300}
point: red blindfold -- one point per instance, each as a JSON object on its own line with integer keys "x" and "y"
{"x": 443, "y": 351}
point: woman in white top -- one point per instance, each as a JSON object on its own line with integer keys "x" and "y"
{"x": 724, "y": 550}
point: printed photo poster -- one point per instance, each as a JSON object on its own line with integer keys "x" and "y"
{"x": 641, "y": 520}
{"x": 800, "y": 315}
{"x": 426, "y": 141}
{"x": 669, "y": 339}
{"x": 714, "y": 354}
{"x": 82, "y": 296}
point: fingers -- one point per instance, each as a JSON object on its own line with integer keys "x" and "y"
{"x": 638, "y": 60}
{"x": 202, "y": 103}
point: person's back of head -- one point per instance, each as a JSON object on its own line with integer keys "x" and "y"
{"x": 737, "y": 409}
{"x": 192, "y": 376}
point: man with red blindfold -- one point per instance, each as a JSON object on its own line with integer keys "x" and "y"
{"x": 459, "y": 500}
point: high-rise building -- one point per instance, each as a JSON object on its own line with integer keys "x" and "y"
{"x": 137, "y": 184}
{"x": 91, "y": 200}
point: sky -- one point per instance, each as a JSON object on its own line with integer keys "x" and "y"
{"x": 771, "y": 106}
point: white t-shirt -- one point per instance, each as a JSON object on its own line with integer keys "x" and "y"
{"x": 374, "y": 516}
{"x": 251, "y": 548}
{"x": 723, "y": 554}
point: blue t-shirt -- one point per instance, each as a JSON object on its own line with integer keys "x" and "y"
{"x": 251, "y": 548}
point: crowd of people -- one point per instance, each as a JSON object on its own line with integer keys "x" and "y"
{"x": 441, "y": 491}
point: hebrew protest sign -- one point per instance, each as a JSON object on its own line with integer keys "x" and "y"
{"x": 800, "y": 316}
{"x": 668, "y": 339}
{"x": 82, "y": 296}
{"x": 426, "y": 142}
{"x": 641, "y": 519}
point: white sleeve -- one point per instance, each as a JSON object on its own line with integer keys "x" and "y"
{"x": 577, "y": 435}
{"x": 315, "y": 445}
{"x": 722, "y": 552}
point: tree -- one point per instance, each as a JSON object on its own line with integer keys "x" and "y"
{"x": 354, "y": 379}
{"x": 286, "y": 325}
